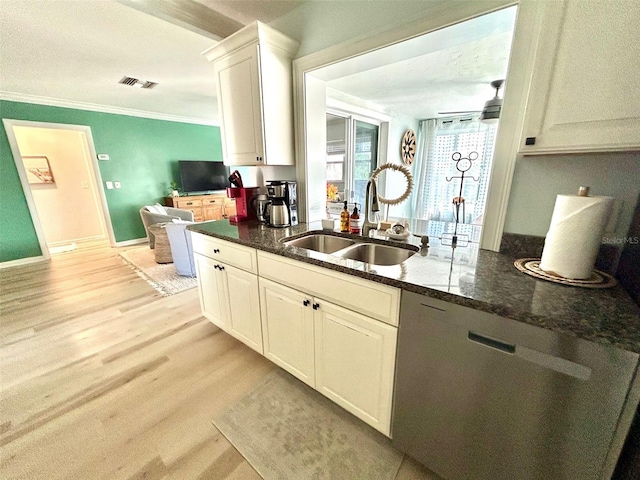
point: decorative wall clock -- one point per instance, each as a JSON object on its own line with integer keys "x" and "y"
{"x": 408, "y": 147}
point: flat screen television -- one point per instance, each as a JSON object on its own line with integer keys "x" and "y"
{"x": 199, "y": 176}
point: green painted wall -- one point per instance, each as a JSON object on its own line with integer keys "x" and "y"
{"x": 143, "y": 157}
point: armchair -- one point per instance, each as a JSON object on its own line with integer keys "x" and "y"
{"x": 150, "y": 218}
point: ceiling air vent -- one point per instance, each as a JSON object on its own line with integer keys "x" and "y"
{"x": 128, "y": 81}
{"x": 134, "y": 82}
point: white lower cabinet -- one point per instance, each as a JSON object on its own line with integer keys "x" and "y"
{"x": 230, "y": 300}
{"x": 287, "y": 329}
{"x": 213, "y": 295}
{"x": 346, "y": 356}
{"x": 355, "y": 362}
{"x": 244, "y": 307}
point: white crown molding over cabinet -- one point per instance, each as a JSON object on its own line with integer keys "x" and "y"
{"x": 585, "y": 91}
{"x": 254, "y": 84}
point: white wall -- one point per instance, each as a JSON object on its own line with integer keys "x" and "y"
{"x": 395, "y": 183}
{"x": 538, "y": 179}
{"x": 68, "y": 209}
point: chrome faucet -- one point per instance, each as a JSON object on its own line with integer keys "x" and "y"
{"x": 369, "y": 208}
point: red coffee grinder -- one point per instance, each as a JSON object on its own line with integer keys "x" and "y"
{"x": 243, "y": 197}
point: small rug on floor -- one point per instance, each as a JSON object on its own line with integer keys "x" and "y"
{"x": 161, "y": 276}
{"x": 287, "y": 430}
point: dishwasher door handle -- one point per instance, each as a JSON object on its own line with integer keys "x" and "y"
{"x": 491, "y": 342}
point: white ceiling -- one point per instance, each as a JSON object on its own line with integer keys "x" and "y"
{"x": 76, "y": 51}
{"x": 447, "y": 70}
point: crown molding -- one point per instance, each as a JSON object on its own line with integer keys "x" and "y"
{"x": 55, "y": 102}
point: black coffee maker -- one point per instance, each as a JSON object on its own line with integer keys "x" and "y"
{"x": 282, "y": 205}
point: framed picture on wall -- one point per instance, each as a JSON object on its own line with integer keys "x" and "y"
{"x": 38, "y": 169}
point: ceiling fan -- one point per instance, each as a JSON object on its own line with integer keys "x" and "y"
{"x": 491, "y": 110}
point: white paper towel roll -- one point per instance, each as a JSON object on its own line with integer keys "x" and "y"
{"x": 575, "y": 235}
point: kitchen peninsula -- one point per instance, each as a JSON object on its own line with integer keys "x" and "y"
{"x": 466, "y": 354}
{"x": 493, "y": 285}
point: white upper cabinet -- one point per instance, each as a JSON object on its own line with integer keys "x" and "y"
{"x": 585, "y": 90}
{"x": 255, "y": 95}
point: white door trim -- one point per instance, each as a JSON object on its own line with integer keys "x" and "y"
{"x": 95, "y": 171}
{"x": 442, "y": 15}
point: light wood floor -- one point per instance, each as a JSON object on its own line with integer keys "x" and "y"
{"x": 103, "y": 378}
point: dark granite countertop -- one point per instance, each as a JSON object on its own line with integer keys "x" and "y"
{"x": 471, "y": 277}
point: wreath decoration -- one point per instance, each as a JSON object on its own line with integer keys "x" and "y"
{"x": 408, "y": 147}
{"x": 408, "y": 177}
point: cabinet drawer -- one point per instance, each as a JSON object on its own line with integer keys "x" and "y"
{"x": 213, "y": 201}
{"x": 227, "y": 252}
{"x": 185, "y": 203}
{"x": 364, "y": 296}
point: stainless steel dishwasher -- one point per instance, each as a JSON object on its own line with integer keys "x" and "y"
{"x": 478, "y": 396}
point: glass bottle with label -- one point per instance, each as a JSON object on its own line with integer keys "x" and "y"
{"x": 344, "y": 219}
{"x": 354, "y": 221}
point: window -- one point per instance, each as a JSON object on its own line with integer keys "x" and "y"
{"x": 439, "y": 180}
{"x": 352, "y": 155}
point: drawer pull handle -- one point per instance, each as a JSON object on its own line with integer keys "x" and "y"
{"x": 216, "y": 267}
{"x": 216, "y": 250}
{"x": 431, "y": 306}
{"x": 492, "y": 342}
{"x": 316, "y": 306}
{"x": 306, "y": 303}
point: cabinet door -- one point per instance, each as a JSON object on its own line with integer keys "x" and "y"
{"x": 240, "y": 107}
{"x": 212, "y": 207}
{"x": 213, "y": 295}
{"x": 244, "y": 306}
{"x": 355, "y": 361}
{"x": 229, "y": 209}
{"x": 287, "y": 329}
{"x": 212, "y": 212}
{"x": 585, "y": 89}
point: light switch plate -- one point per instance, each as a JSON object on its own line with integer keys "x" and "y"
{"x": 116, "y": 184}
{"x": 109, "y": 185}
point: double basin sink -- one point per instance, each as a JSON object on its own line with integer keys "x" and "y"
{"x": 361, "y": 250}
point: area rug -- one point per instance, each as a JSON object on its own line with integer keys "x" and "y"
{"x": 162, "y": 277}
{"x": 287, "y": 430}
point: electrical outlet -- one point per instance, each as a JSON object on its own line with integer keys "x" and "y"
{"x": 116, "y": 184}
{"x": 103, "y": 156}
{"x": 109, "y": 185}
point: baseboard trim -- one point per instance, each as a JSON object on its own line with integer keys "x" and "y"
{"x": 23, "y": 261}
{"x": 135, "y": 241}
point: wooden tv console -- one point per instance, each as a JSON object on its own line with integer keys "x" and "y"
{"x": 215, "y": 206}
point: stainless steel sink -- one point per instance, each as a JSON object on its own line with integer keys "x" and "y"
{"x": 321, "y": 243}
{"x": 376, "y": 254}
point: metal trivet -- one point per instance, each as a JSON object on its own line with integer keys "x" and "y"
{"x": 598, "y": 279}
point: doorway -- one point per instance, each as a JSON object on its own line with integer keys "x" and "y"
{"x": 61, "y": 184}
{"x": 314, "y": 77}
{"x": 443, "y": 77}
